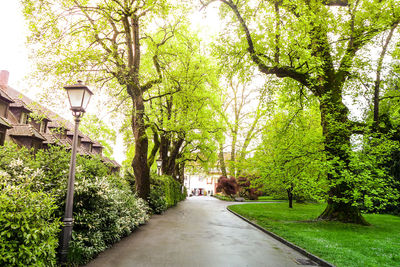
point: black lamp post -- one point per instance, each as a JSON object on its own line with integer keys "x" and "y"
{"x": 79, "y": 96}
{"x": 159, "y": 164}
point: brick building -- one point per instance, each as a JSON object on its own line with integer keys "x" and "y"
{"x": 31, "y": 125}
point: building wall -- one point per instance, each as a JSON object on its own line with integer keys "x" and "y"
{"x": 16, "y": 112}
{"x": 200, "y": 181}
{"x": 97, "y": 150}
{"x": 26, "y": 142}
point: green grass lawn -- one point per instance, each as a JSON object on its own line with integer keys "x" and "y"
{"x": 338, "y": 243}
{"x": 265, "y": 198}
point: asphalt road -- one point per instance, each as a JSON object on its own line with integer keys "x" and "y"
{"x": 198, "y": 232}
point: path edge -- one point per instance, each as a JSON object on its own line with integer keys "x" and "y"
{"x": 284, "y": 241}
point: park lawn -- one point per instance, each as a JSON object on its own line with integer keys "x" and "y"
{"x": 338, "y": 243}
{"x": 266, "y": 198}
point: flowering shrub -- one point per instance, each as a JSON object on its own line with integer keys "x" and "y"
{"x": 103, "y": 214}
{"x": 28, "y": 229}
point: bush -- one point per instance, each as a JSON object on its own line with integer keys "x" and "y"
{"x": 246, "y": 190}
{"x": 105, "y": 209}
{"x": 103, "y": 214}
{"x": 165, "y": 192}
{"x": 157, "y": 201}
{"x": 227, "y": 186}
{"x": 28, "y": 229}
{"x": 220, "y": 196}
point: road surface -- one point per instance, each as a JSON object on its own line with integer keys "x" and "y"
{"x": 198, "y": 232}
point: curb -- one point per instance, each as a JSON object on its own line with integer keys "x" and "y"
{"x": 284, "y": 241}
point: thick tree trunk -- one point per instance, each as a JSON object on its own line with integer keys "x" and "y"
{"x": 337, "y": 131}
{"x": 164, "y": 148}
{"x": 139, "y": 163}
{"x": 342, "y": 212}
{"x": 169, "y": 152}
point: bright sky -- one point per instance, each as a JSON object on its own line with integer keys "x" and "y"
{"x": 14, "y": 54}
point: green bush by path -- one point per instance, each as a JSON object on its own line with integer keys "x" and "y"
{"x": 223, "y": 197}
{"x": 28, "y": 228}
{"x": 103, "y": 215}
{"x": 165, "y": 192}
{"x": 341, "y": 244}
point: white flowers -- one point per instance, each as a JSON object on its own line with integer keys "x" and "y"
{"x": 4, "y": 173}
{"x": 16, "y": 163}
{"x": 78, "y": 169}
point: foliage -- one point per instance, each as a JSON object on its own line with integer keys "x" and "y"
{"x": 121, "y": 46}
{"x": 220, "y": 196}
{"x": 348, "y": 245}
{"x": 166, "y": 192}
{"x": 91, "y": 125}
{"x": 376, "y": 186}
{"x": 290, "y": 159}
{"x": 28, "y": 228}
{"x": 316, "y": 45}
{"x": 103, "y": 215}
{"x": 227, "y": 186}
{"x": 105, "y": 209}
{"x": 246, "y": 190}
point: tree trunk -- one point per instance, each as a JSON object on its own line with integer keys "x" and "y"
{"x": 337, "y": 131}
{"x": 222, "y": 160}
{"x": 378, "y": 77}
{"x": 139, "y": 163}
{"x": 164, "y": 148}
{"x": 290, "y": 197}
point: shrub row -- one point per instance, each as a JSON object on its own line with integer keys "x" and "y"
{"x": 165, "y": 192}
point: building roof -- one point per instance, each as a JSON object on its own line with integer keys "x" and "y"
{"x": 86, "y": 139}
{"x": 32, "y": 105}
{"x": 4, "y": 122}
{"x": 5, "y": 96}
{"x": 18, "y": 103}
{"x": 116, "y": 164}
{"x": 19, "y": 100}
{"x": 71, "y": 133}
{"x": 25, "y": 130}
{"x": 57, "y": 123}
{"x": 97, "y": 144}
{"x": 50, "y": 138}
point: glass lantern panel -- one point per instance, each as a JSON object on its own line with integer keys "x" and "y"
{"x": 86, "y": 99}
{"x": 75, "y": 97}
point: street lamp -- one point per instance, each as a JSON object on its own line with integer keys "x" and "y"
{"x": 159, "y": 163}
{"x": 78, "y": 96}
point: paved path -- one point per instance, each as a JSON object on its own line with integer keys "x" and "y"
{"x": 198, "y": 232}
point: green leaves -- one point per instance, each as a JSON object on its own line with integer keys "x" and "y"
{"x": 28, "y": 229}
{"x": 291, "y": 156}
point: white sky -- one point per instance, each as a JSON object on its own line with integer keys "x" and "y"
{"x": 14, "y": 54}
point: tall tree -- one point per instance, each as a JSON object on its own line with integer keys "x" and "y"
{"x": 181, "y": 120}
{"x": 315, "y": 43}
{"x": 241, "y": 112}
{"x": 290, "y": 156}
{"x": 102, "y": 40}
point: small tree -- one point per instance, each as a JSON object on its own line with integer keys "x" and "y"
{"x": 227, "y": 186}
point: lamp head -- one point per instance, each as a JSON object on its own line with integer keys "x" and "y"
{"x": 78, "y": 96}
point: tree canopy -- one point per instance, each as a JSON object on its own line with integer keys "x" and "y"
{"x": 320, "y": 61}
